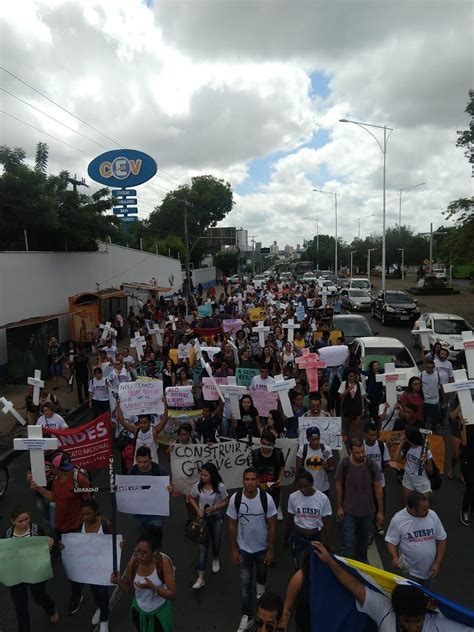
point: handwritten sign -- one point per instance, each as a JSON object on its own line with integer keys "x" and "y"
{"x": 329, "y": 427}
{"x": 154, "y": 501}
{"x": 180, "y": 396}
{"x": 264, "y": 401}
{"x": 141, "y": 398}
{"x": 257, "y": 313}
{"x": 87, "y": 557}
{"x": 209, "y": 391}
{"x": 232, "y": 326}
{"x": 245, "y": 376}
{"x": 24, "y": 560}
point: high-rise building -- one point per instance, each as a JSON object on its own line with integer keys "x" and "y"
{"x": 242, "y": 239}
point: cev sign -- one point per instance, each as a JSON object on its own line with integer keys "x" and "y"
{"x": 122, "y": 168}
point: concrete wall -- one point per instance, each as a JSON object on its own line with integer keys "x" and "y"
{"x": 206, "y": 276}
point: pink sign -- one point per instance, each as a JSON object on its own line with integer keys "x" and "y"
{"x": 264, "y": 401}
{"x": 231, "y": 326}
{"x": 209, "y": 392}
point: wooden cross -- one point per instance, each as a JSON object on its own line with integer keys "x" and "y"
{"x": 36, "y": 444}
{"x": 282, "y": 386}
{"x": 106, "y": 330}
{"x": 233, "y": 392}
{"x": 467, "y": 343}
{"x": 156, "y": 332}
{"x": 138, "y": 342}
{"x": 390, "y": 379}
{"x": 261, "y": 329}
{"x": 311, "y": 363}
{"x": 8, "y": 408}
{"x": 37, "y": 384}
{"x": 424, "y": 334}
{"x": 240, "y": 300}
{"x": 291, "y": 326}
{"x": 462, "y": 386}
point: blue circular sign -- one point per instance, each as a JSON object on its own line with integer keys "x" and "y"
{"x": 122, "y": 168}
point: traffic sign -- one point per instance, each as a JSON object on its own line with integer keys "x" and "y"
{"x": 127, "y": 201}
{"x": 124, "y": 192}
{"x": 130, "y": 219}
{"x": 125, "y": 210}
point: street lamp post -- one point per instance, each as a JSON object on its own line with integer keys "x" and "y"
{"x": 352, "y": 253}
{"x": 335, "y": 223}
{"x": 403, "y": 262}
{"x": 400, "y": 192}
{"x": 368, "y": 263}
{"x": 383, "y": 149}
{"x": 315, "y": 219}
{"x": 359, "y": 218}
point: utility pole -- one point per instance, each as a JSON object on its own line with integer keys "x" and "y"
{"x": 77, "y": 183}
{"x": 432, "y": 234}
{"x": 186, "y": 246}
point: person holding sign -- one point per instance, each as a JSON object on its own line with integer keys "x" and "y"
{"x": 316, "y": 459}
{"x": 145, "y": 434}
{"x": 270, "y": 465}
{"x": 22, "y": 527}
{"x": 249, "y": 424}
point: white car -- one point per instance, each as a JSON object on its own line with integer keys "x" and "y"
{"x": 286, "y": 277}
{"x": 310, "y": 278}
{"x": 445, "y": 328}
{"x": 386, "y": 350}
{"x": 259, "y": 281}
{"x": 328, "y": 285}
{"x": 359, "y": 284}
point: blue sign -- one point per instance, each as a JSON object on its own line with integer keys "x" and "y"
{"x": 124, "y": 192}
{"x": 122, "y": 168}
{"x": 130, "y": 219}
{"x": 125, "y": 211}
{"x": 126, "y": 201}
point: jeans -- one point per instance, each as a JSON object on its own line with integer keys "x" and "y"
{"x": 82, "y": 385}
{"x": 19, "y": 594}
{"x": 431, "y": 416}
{"x": 356, "y": 532}
{"x": 246, "y": 576}
{"x": 299, "y": 543}
{"x": 225, "y": 427}
{"x": 215, "y": 524}
{"x": 467, "y": 471}
{"x": 423, "y": 582}
{"x": 101, "y": 599}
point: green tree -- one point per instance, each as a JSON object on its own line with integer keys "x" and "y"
{"x": 227, "y": 261}
{"x": 41, "y": 158}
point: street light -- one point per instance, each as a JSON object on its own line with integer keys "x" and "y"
{"x": 368, "y": 263}
{"x": 400, "y": 191}
{"x": 315, "y": 219}
{"x": 352, "y": 253}
{"x": 383, "y": 149}
{"x": 335, "y": 225}
{"x": 403, "y": 262}
{"x": 359, "y": 218}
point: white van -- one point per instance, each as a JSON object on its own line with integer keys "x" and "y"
{"x": 359, "y": 284}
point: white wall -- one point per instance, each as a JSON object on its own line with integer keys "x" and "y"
{"x": 206, "y": 276}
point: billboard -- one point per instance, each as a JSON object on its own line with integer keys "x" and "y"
{"x": 122, "y": 168}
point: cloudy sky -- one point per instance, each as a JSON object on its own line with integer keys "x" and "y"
{"x": 252, "y": 91}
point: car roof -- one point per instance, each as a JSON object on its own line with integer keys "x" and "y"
{"x": 396, "y": 292}
{"x": 350, "y": 317}
{"x": 379, "y": 341}
{"x": 436, "y": 315}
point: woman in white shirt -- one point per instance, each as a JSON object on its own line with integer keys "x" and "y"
{"x": 209, "y": 498}
{"x": 99, "y": 394}
{"x": 50, "y": 418}
{"x": 418, "y": 464}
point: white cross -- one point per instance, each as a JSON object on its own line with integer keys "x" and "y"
{"x": 282, "y": 386}
{"x": 106, "y": 330}
{"x": 390, "y": 379}
{"x": 233, "y": 392}
{"x": 235, "y": 351}
{"x": 197, "y": 350}
{"x": 36, "y": 445}
{"x": 291, "y": 326}
{"x": 462, "y": 386}
{"x": 138, "y": 342}
{"x": 324, "y": 293}
{"x": 172, "y": 320}
{"x": 424, "y": 334}
{"x": 156, "y": 332}
{"x": 37, "y": 384}
{"x": 8, "y": 408}
{"x": 207, "y": 366}
{"x": 467, "y": 343}
{"x": 240, "y": 300}
{"x": 261, "y": 329}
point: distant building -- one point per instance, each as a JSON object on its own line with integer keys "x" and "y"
{"x": 274, "y": 248}
{"x": 242, "y": 236}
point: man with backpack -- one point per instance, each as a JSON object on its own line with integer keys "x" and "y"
{"x": 357, "y": 482}
{"x": 252, "y": 530}
{"x": 270, "y": 465}
{"x": 377, "y": 451}
{"x": 316, "y": 459}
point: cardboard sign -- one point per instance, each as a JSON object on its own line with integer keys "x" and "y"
{"x": 329, "y": 427}
{"x": 180, "y": 396}
{"x": 141, "y": 398}
{"x": 24, "y": 560}
{"x": 90, "y": 445}
{"x": 211, "y": 351}
{"x": 232, "y": 326}
{"x": 245, "y": 376}
{"x": 257, "y": 313}
{"x": 154, "y": 501}
{"x": 396, "y": 438}
{"x": 209, "y": 391}
{"x": 87, "y": 557}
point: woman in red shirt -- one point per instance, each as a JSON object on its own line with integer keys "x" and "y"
{"x": 414, "y": 395}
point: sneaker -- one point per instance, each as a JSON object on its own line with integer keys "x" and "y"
{"x": 75, "y": 604}
{"x": 199, "y": 583}
{"x": 380, "y": 531}
{"x": 280, "y": 514}
{"x": 464, "y": 517}
{"x": 216, "y": 567}
{"x": 260, "y": 590}
{"x": 104, "y": 626}
{"x": 96, "y": 617}
{"x": 245, "y": 624}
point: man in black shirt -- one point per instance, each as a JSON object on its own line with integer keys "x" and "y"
{"x": 270, "y": 465}
{"x": 207, "y": 426}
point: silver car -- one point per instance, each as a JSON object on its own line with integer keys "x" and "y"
{"x": 356, "y": 300}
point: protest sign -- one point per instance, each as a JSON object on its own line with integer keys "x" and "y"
{"x": 205, "y": 310}
{"x": 244, "y": 376}
{"x": 87, "y": 557}
{"x": 141, "y": 398}
{"x": 396, "y": 439}
{"x": 174, "y": 355}
{"x": 232, "y": 326}
{"x": 209, "y": 391}
{"x": 211, "y": 351}
{"x": 329, "y": 427}
{"x": 180, "y": 396}
{"x": 175, "y": 419}
{"x": 264, "y": 401}
{"x": 154, "y": 501}
{"x": 90, "y": 445}
{"x": 257, "y": 313}
{"x": 24, "y": 560}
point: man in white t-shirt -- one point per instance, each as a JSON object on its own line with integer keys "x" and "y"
{"x": 444, "y": 367}
{"x": 316, "y": 459}
{"x": 416, "y": 540}
{"x": 252, "y": 529}
{"x": 110, "y": 349}
{"x": 50, "y": 418}
{"x": 406, "y": 610}
{"x": 430, "y": 385}
{"x": 261, "y": 381}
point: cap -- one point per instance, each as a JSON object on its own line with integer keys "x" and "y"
{"x": 312, "y": 432}
{"x": 62, "y": 462}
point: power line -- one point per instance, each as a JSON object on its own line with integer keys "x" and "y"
{"x": 46, "y": 133}
{"x": 52, "y": 118}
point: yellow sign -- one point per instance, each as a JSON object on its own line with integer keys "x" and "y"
{"x": 426, "y": 262}
{"x": 257, "y": 313}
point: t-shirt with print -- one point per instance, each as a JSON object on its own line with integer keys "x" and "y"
{"x": 56, "y": 422}
{"x": 379, "y": 609}
{"x": 373, "y": 453}
{"x": 258, "y": 383}
{"x": 98, "y": 389}
{"x": 208, "y": 498}
{"x": 313, "y": 464}
{"x": 416, "y": 539}
{"x": 268, "y": 467}
{"x": 444, "y": 369}
{"x": 309, "y": 511}
{"x": 358, "y": 487}
{"x": 413, "y": 460}
{"x": 252, "y": 528}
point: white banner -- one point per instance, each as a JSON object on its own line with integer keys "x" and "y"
{"x": 87, "y": 557}
{"x": 230, "y": 457}
{"x": 141, "y": 398}
{"x": 329, "y": 427}
{"x": 154, "y": 501}
{"x": 180, "y": 396}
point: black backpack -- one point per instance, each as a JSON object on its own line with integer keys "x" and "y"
{"x": 263, "y": 500}
{"x": 305, "y": 450}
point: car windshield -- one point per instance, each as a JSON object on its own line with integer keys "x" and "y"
{"x": 355, "y": 328}
{"x": 451, "y": 326}
{"x": 358, "y": 293}
{"x": 398, "y": 355}
{"x": 332, "y": 278}
{"x": 360, "y": 284}
{"x": 397, "y": 298}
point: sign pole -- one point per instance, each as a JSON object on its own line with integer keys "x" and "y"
{"x": 113, "y": 500}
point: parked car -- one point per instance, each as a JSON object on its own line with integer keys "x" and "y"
{"x": 439, "y": 270}
{"x": 286, "y": 277}
{"x": 386, "y": 350}
{"x": 446, "y": 329}
{"x": 236, "y": 279}
{"x": 352, "y": 326}
{"x": 359, "y": 284}
{"x": 391, "y": 305}
{"x": 356, "y": 300}
{"x": 333, "y": 278}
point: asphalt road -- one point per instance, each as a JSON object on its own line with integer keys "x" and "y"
{"x": 217, "y": 606}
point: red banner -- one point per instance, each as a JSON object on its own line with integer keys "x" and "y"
{"x": 89, "y": 445}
